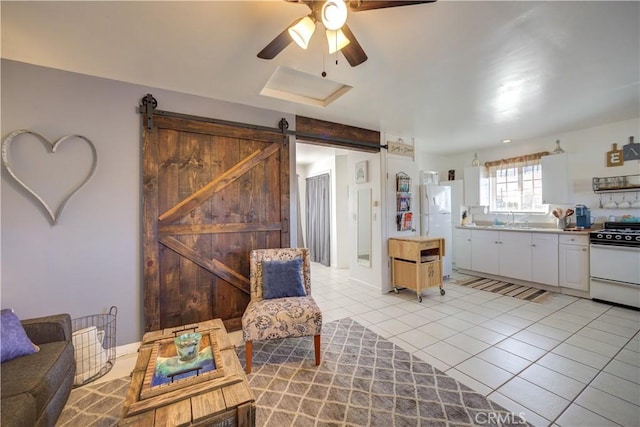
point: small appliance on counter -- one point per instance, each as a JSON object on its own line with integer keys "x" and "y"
{"x": 583, "y": 217}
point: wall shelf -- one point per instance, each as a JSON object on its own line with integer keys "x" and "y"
{"x": 404, "y": 216}
{"x": 616, "y": 184}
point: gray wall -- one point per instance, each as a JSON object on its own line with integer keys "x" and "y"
{"x": 91, "y": 259}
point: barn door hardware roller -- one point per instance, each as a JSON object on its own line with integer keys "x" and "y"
{"x": 283, "y": 125}
{"x": 148, "y": 104}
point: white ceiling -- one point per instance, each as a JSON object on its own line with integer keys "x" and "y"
{"x": 456, "y": 76}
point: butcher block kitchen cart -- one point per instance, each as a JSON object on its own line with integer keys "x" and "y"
{"x": 416, "y": 263}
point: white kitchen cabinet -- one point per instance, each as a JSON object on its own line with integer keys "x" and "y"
{"x": 574, "y": 262}
{"x": 544, "y": 258}
{"x": 476, "y": 186}
{"x": 485, "y": 252}
{"x": 557, "y": 184}
{"x": 462, "y": 248}
{"x": 515, "y": 254}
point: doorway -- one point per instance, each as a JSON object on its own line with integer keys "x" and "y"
{"x": 313, "y": 161}
{"x": 318, "y": 218}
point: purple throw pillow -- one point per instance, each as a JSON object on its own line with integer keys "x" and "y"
{"x": 14, "y": 341}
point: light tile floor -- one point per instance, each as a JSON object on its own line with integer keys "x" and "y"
{"x": 564, "y": 362}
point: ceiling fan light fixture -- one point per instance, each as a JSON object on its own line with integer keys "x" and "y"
{"x": 302, "y": 31}
{"x": 334, "y": 14}
{"x": 336, "y": 40}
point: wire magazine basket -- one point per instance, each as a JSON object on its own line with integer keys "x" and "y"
{"x": 94, "y": 343}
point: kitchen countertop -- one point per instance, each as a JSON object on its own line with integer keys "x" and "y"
{"x": 527, "y": 229}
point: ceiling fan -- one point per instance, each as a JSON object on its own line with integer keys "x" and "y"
{"x": 333, "y": 15}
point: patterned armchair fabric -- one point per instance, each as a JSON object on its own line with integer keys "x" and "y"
{"x": 280, "y": 317}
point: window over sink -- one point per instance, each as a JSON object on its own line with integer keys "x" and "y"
{"x": 516, "y": 185}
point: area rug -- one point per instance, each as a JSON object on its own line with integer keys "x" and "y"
{"x": 527, "y": 293}
{"x": 95, "y": 405}
{"x": 363, "y": 380}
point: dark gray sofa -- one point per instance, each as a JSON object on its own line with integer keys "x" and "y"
{"x": 36, "y": 387}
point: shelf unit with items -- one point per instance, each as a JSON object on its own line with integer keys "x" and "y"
{"x": 616, "y": 184}
{"x": 404, "y": 216}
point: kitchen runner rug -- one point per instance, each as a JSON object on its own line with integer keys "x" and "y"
{"x": 505, "y": 288}
{"x": 363, "y": 380}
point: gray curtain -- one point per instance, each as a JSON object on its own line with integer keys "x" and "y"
{"x": 319, "y": 218}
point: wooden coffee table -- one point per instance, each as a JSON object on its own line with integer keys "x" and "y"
{"x": 221, "y": 397}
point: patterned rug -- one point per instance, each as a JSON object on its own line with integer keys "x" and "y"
{"x": 527, "y": 293}
{"x": 363, "y": 380}
{"x": 98, "y": 405}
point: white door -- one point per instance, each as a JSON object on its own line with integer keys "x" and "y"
{"x": 462, "y": 249}
{"x": 545, "y": 258}
{"x": 515, "y": 255}
{"x": 485, "y": 254}
{"x": 574, "y": 267}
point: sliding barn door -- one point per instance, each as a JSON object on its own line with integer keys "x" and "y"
{"x": 211, "y": 193}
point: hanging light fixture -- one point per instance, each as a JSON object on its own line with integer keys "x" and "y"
{"x": 558, "y": 149}
{"x": 337, "y": 40}
{"x": 334, "y": 14}
{"x": 302, "y": 31}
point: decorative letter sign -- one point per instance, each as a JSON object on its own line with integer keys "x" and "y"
{"x": 631, "y": 151}
{"x": 614, "y": 157}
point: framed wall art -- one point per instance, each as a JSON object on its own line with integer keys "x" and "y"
{"x": 362, "y": 173}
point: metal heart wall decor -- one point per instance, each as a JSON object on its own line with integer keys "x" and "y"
{"x": 51, "y": 147}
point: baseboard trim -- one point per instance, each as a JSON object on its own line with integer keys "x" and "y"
{"x": 123, "y": 350}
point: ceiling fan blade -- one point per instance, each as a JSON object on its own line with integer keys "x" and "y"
{"x": 353, "y": 52}
{"x": 278, "y": 44}
{"x": 360, "y": 5}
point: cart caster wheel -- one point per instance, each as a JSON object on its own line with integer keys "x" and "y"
{"x": 420, "y": 299}
{"x": 442, "y": 292}
{"x": 396, "y": 291}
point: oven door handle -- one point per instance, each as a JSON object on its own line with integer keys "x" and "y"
{"x": 614, "y": 282}
{"x": 616, "y": 247}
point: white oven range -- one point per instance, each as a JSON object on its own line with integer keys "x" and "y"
{"x": 615, "y": 263}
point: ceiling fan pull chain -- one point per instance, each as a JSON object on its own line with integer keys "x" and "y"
{"x": 324, "y": 72}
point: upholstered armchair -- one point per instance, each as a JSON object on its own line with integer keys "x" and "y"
{"x": 281, "y": 305}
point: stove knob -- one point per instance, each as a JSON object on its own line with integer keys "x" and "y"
{"x": 608, "y": 236}
{"x": 618, "y": 237}
{"x": 599, "y": 235}
{"x": 638, "y": 238}
{"x": 628, "y": 237}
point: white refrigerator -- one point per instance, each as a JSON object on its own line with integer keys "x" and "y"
{"x": 435, "y": 219}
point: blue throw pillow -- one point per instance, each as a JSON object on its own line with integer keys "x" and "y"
{"x": 282, "y": 279}
{"x": 14, "y": 341}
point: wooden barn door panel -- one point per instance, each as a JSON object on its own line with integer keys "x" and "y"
{"x": 211, "y": 194}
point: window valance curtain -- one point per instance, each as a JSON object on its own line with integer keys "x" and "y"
{"x": 534, "y": 158}
{"x": 516, "y": 183}
{"x": 519, "y": 159}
